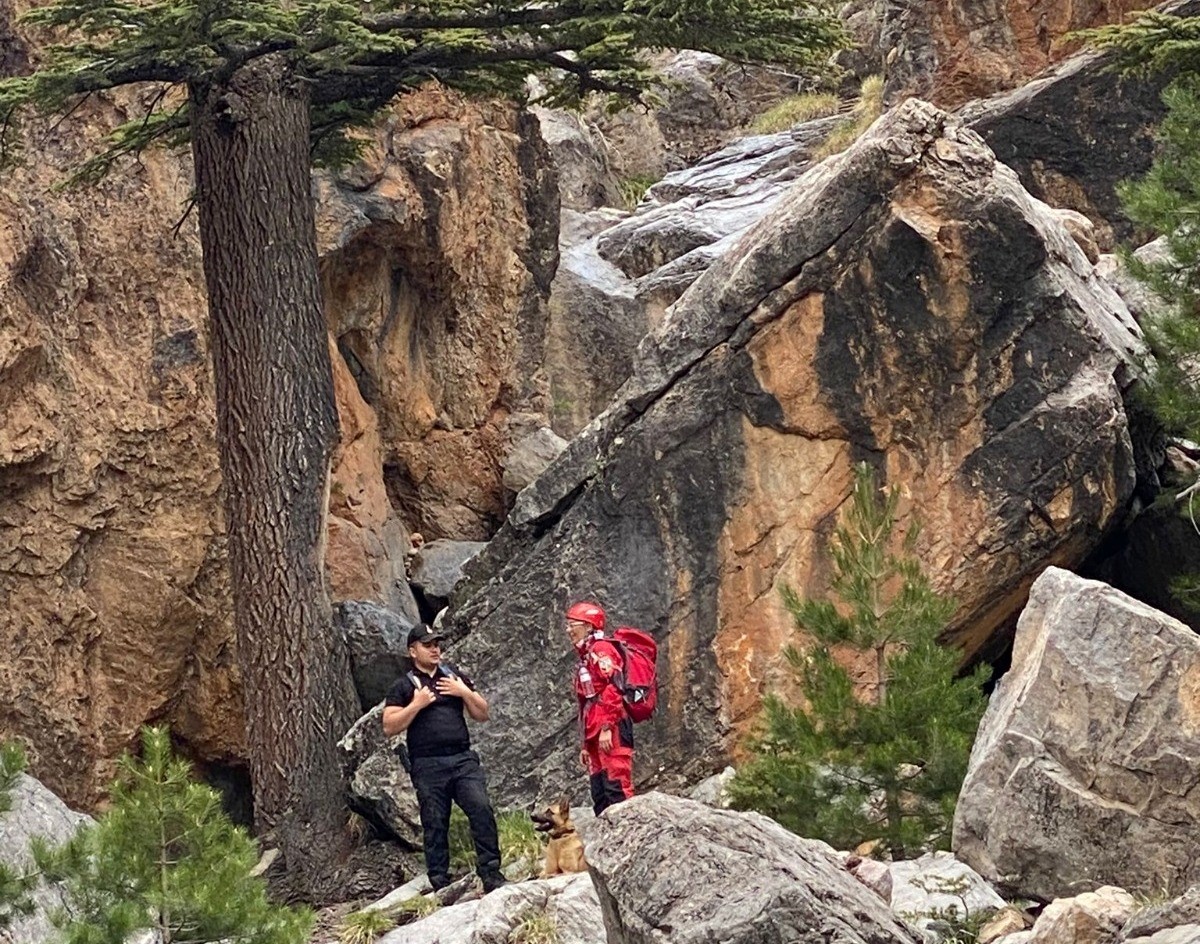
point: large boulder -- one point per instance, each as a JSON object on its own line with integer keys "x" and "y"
{"x": 667, "y": 868}
{"x": 908, "y": 303}
{"x": 377, "y": 641}
{"x": 937, "y": 885}
{"x": 35, "y": 813}
{"x": 379, "y": 787}
{"x": 565, "y": 904}
{"x": 438, "y": 566}
{"x": 1086, "y": 768}
{"x": 1077, "y": 132}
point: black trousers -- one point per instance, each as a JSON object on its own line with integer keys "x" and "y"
{"x": 458, "y": 778}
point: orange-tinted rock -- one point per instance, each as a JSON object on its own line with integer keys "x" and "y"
{"x": 116, "y": 607}
{"x": 951, "y": 52}
{"x": 907, "y": 304}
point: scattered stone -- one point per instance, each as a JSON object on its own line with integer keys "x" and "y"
{"x": 1004, "y": 922}
{"x": 1091, "y": 918}
{"x": 379, "y": 788}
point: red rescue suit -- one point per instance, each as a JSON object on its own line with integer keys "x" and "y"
{"x": 599, "y": 683}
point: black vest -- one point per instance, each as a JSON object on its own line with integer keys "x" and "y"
{"x": 440, "y": 729}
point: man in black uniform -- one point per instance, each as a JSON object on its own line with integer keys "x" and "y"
{"x": 428, "y": 704}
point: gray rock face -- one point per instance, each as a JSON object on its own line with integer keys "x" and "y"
{"x": 378, "y": 642}
{"x": 694, "y": 210}
{"x": 437, "y": 567}
{"x": 989, "y": 386}
{"x": 672, "y": 869}
{"x": 585, "y": 178}
{"x": 1077, "y": 132}
{"x": 380, "y": 789}
{"x": 567, "y": 902}
{"x": 35, "y": 812}
{"x": 936, "y": 884}
{"x": 706, "y": 101}
{"x": 1183, "y": 911}
{"x": 1086, "y": 768}
{"x": 620, "y": 271}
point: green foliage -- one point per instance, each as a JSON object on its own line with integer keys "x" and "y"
{"x": 15, "y": 883}
{"x": 1150, "y": 42}
{"x": 364, "y": 927}
{"x": 166, "y": 858}
{"x": 419, "y": 906}
{"x": 518, "y": 836}
{"x": 796, "y": 109}
{"x": 959, "y": 924}
{"x": 889, "y": 768}
{"x": 633, "y": 188}
{"x": 866, "y": 110}
{"x": 535, "y": 927}
{"x": 1166, "y": 202}
{"x": 355, "y": 57}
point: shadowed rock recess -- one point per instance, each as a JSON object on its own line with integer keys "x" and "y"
{"x": 908, "y": 304}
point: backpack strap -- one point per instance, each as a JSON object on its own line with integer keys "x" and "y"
{"x": 445, "y": 670}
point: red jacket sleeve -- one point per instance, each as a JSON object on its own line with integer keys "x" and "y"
{"x": 606, "y": 666}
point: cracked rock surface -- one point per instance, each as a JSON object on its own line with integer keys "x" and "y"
{"x": 906, "y": 303}
{"x": 1086, "y": 769}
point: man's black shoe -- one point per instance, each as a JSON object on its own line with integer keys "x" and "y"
{"x": 438, "y": 882}
{"x": 492, "y": 881}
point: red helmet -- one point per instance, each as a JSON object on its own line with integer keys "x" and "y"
{"x": 588, "y": 613}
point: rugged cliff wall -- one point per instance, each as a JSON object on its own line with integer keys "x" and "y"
{"x": 950, "y": 51}
{"x": 437, "y": 255}
{"x": 435, "y": 259}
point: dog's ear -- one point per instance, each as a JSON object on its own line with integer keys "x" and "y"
{"x": 564, "y": 804}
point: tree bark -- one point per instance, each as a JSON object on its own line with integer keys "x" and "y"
{"x": 276, "y": 429}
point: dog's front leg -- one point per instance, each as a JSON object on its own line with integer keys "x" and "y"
{"x": 550, "y": 868}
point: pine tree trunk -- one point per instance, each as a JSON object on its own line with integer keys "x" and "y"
{"x": 276, "y": 429}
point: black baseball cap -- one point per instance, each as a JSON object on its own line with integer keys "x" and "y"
{"x": 423, "y": 632}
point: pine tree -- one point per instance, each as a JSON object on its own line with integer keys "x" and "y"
{"x": 887, "y": 767}
{"x": 261, "y": 87}
{"x": 1166, "y": 202}
{"x": 16, "y": 882}
{"x": 166, "y": 858}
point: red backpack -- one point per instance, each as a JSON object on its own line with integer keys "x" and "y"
{"x": 640, "y": 652}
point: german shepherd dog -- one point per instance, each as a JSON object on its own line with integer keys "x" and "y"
{"x": 564, "y": 853}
